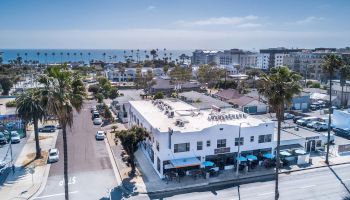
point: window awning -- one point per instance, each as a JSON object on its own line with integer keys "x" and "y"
{"x": 290, "y": 147}
{"x": 185, "y": 162}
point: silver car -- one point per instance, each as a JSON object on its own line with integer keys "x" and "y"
{"x": 15, "y": 138}
{"x": 53, "y": 155}
{"x": 97, "y": 121}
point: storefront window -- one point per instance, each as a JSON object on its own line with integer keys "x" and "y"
{"x": 221, "y": 143}
{"x": 265, "y": 138}
{"x": 251, "y": 138}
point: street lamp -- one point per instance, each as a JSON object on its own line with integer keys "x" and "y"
{"x": 239, "y": 146}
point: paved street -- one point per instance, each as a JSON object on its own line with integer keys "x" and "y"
{"x": 90, "y": 171}
{"x": 16, "y": 150}
{"x": 318, "y": 184}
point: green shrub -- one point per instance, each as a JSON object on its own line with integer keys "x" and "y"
{"x": 159, "y": 95}
{"x": 11, "y": 103}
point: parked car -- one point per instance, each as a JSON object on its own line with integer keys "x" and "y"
{"x": 288, "y": 116}
{"x": 296, "y": 118}
{"x": 342, "y": 132}
{"x": 97, "y": 121}
{"x": 95, "y": 114}
{"x": 15, "y": 138}
{"x": 47, "y": 128}
{"x": 321, "y": 126}
{"x": 312, "y": 124}
{"x": 58, "y": 126}
{"x": 315, "y": 106}
{"x": 2, "y": 138}
{"x": 100, "y": 135}
{"x": 305, "y": 120}
{"x": 53, "y": 155}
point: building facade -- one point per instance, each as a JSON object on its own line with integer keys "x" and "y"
{"x": 183, "y": 136}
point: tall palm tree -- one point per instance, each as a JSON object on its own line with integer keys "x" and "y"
{"x": 38, "y": 54}
{"x": 61, "y": 54}
{"x": 89, "y": 54}
{"x": 68, "y": 54}
{"x": 29, "y": 107}
{"x": 279, "y": 87}
{"x": 75, "y": 56}
{"x": 63, "y": 92}
{"x": 45, "y": 54}
{"x": 81, "y": 56}
{"x": 104, "y": 57}
{"x": 331, "y": 63}
{"x": 53, "y": 56}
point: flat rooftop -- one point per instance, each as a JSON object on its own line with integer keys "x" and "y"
{"x": 193, "y": 119}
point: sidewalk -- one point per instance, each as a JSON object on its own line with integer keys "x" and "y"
{"x": 22, "y": 184}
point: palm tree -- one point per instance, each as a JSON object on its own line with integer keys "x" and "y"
{"x": 75, "y": 56}
{"x": 154, "y": 54}
{"x": 331, "y": 63}
{"x": 38, "y": 54}
{"x": 145, "y": 54}
{"x": 104, "y": 57}
{"x": 61, "y": 54}
{"x": 53, "y": 56}
{"x": 45, "y": 54}
{"x": 29, "y": 108}
{"x": 81, "y": 56}
{"x": 89, "y": 54}
{"x": 63, "y": 92}
{"x": 68, "y": 54}
{"x": 26, "y": 55}
{"x": 279, "y": 87}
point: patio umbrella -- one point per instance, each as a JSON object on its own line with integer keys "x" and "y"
{"x": 208, "y": 164}
{"x": 268, "y": 155}
{"x": 251, "y": 157}
{"x": 242, "y": 159}
{"x": 285, "y": 153}
{"x": 300, "y": 151}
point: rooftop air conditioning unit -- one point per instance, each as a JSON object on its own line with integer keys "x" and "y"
{"x": 171, "y": 114}
{"x": 181, "y": 124}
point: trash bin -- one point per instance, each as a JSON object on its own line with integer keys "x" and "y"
{"x": 310, "y": 161}
{"x": 207, "y": 175}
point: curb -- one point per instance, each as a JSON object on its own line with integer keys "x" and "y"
{"x": 46, "y": 175}
{"x": 116, "y": 163}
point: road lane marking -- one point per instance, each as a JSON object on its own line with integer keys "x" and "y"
{"x": 263, "y": 194}
{"x": 71, "y": 181}
{"x": 308, "y": 186}
{"x": 54, "y": 195}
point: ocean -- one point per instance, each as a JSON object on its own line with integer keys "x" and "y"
{"x": 76, "y": 55}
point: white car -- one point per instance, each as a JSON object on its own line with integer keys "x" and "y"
{"x": 288, "y": 116}
{"x": 15, "y": 138}
{"x": 321, "y": 126}
{"x": 97, "y": 121}
{"x": 100, "y": 135}
{"x": 53, "y": 155}
{"x": 312, "y": 124}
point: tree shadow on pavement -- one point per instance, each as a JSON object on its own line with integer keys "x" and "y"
{"x": 124, "y": 192}
{"x": 341, "y": 181}
{"x": 8, "y": 177}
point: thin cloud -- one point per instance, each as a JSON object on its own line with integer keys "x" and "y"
{"x": 307, "y": 20}
{"x": 250, "y": 25}
{"x": 149, "y": 8}
{"x": 220, "y": 21}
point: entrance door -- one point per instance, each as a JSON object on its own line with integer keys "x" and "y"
{"x": 311, "y": 145}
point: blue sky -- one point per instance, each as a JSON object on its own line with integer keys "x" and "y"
{"x": 174, "y": 24}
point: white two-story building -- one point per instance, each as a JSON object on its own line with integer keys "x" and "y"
{"x": 184, "y": 137}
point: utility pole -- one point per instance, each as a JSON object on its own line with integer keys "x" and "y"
{"x": 239, "y": 146}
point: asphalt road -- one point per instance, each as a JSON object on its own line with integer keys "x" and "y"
{"x": 16, "y": 150}
{"x": 89, "y": 167}
{"x": 318, "y": 184}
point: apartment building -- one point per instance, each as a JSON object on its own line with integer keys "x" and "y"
{"x": 277, "y": 55}
{"x": 183, "y": 136}
{"x": 201, "y": 57}
{"x": 309, "y": 63}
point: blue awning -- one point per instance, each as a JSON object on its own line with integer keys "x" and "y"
{"x": 268, "y": 155}
{"x": 251, "y": 157}
{"x": 185, "y": 162}
{"x": 208, "y": 164}
{"x": 242, "y": 159}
